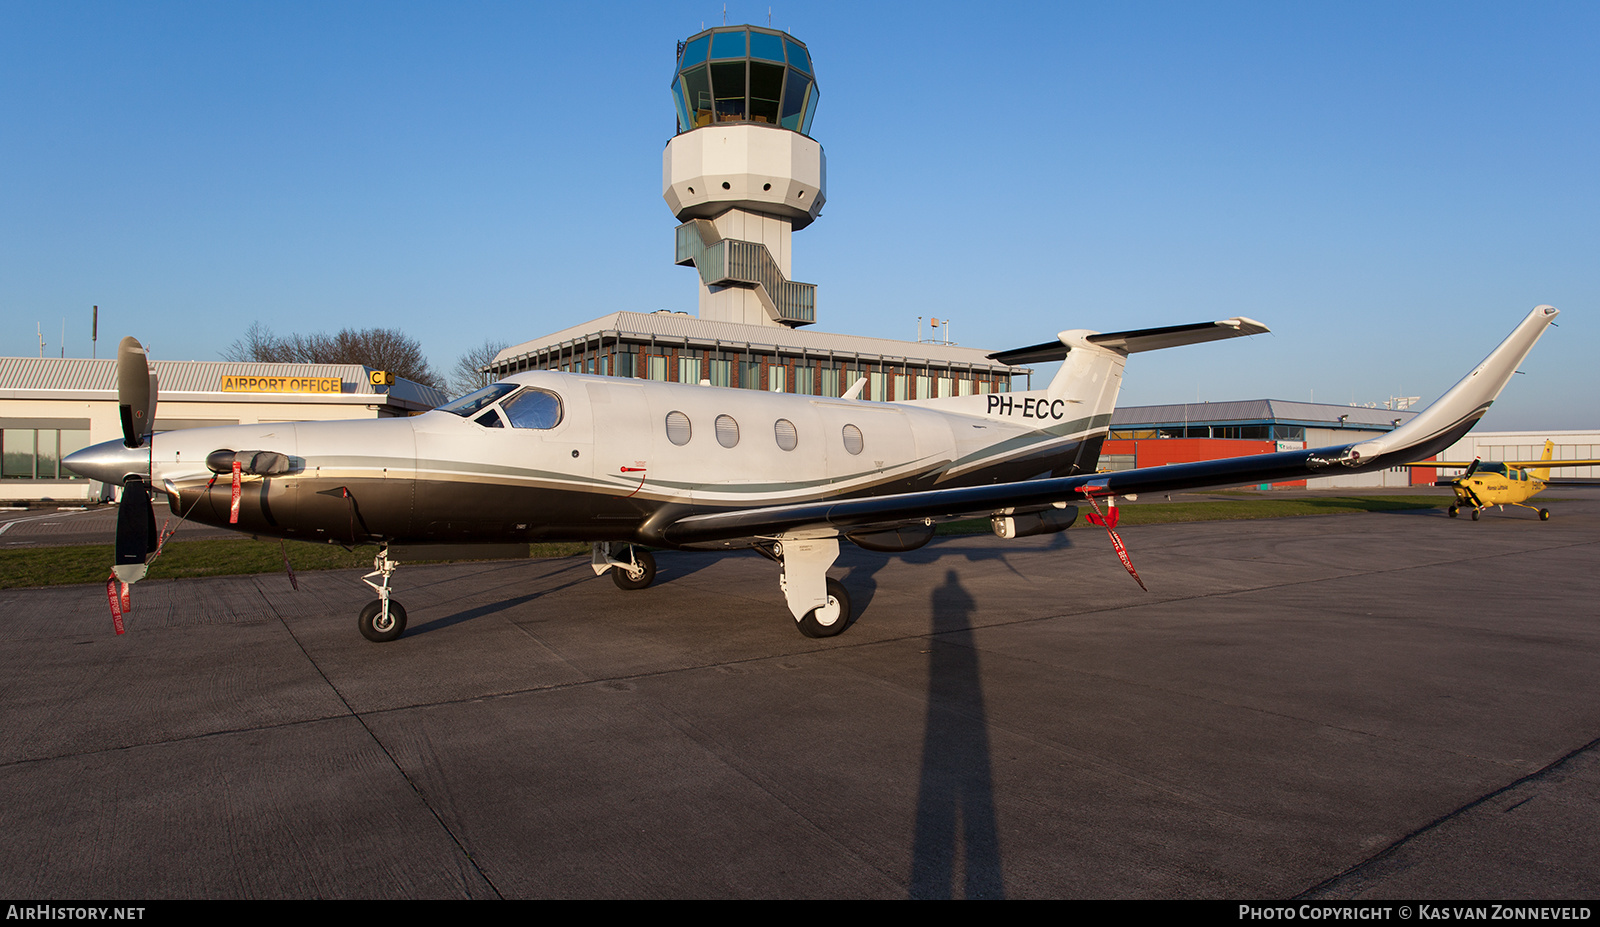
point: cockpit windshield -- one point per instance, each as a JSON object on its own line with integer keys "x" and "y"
{"x": 473, "y": 401}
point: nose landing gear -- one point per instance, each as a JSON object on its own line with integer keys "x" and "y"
{"x": 383, "y": 619}
{"x": 637, "y": 570}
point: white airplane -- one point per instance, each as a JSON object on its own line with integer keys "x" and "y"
{"x": 619, "y": 463}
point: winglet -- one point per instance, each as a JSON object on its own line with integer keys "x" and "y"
{"x": 1469, "y": 398}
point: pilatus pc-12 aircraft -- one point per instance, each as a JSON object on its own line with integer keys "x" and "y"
{"x": 626, "y": 464}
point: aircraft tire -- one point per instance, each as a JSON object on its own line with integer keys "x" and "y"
{"x": 1476, "y": 513}
{"x": 823, "y": 622}
{"x": 1544, "y": 514}
{"x": 646, "y": 561}
{"x": 372, "y": 614}
{"x": 1454, "y": 511}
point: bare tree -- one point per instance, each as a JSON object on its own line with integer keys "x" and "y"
{"x": 468, "y": 375}
{"x": 379, "y": 348}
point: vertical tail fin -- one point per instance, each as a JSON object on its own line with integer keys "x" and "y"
{"x": 1543, "y": 473}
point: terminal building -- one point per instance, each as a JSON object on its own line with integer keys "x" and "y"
{"x": 1153, "y": 436}
{"x": 50, "y": 407}
{"x": 742, "y": 174}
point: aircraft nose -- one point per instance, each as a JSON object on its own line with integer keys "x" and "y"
{"x": 109, "y": 462}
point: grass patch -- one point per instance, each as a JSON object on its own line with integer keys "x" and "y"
{"x": 55, "y": 566}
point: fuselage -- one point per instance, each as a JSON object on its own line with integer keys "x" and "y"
{"x": 565, "y": 456}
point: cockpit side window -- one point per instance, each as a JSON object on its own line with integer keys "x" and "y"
{"x": 533, "y": 408}
{"x": 474, "y": 401}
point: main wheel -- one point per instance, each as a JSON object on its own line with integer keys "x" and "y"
{"x": 830, "y": 619}
{"x": 1454, "y": 511}
{"x": 373, "y": 626}
{"x": 1476, "y": 513}
{"x": 647, "y": 571}
{"x": 1544, "y": 514}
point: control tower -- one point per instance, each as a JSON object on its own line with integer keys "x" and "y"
{"x": 743, "y": 174}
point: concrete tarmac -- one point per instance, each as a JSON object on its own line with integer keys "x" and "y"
{"x": 49, "y": 525}
{"x": 1366, "y": 706}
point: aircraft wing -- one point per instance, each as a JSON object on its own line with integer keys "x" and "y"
{"x": 1437, "y": 427}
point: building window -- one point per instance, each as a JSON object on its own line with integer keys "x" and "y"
{"x": 749, "y": 374}
{"x": 830, "y": 382}
{"x": 35, "y": 453}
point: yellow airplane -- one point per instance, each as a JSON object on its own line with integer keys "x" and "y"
{"x": 1502, "y": 483}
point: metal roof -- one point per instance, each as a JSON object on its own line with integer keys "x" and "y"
{"x": 678, "y": 326}
{"x": 77, "y": 374}
{"x": 1246, "y": 411}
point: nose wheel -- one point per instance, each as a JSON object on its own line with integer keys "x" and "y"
{"x": 637, "y": 573}
{"x": 635, "y": 569}
{"x": 383, "y": 619}
{"x": 381, "y": 625}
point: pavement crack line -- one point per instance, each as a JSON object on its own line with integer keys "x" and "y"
{"x": 796, "y": 805}
{"x": 378, "y": 742}
{"x": 1354, "y": 873}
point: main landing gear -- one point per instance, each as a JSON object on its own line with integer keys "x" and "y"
{"x": 383, "y": 619}
{"x": 820, "y": 604}
{"x": 1544, "y": 514}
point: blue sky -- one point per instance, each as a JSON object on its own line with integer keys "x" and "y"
{"x": 1389, "y": 186}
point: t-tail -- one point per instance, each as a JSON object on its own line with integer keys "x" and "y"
{"x": 1090, "y": 378}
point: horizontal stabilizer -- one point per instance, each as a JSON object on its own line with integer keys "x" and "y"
{"x": 1132, "y": 342}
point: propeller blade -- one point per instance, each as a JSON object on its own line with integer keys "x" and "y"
{"x": 136, "y": 530}
{"x": 1472, "y": 468}
{"x": 135, "y": 393}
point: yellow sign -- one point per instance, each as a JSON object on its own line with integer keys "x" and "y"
{"x": 232, "y": 383}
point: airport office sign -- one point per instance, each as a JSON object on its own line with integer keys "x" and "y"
{"x": 241, "y": 383}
